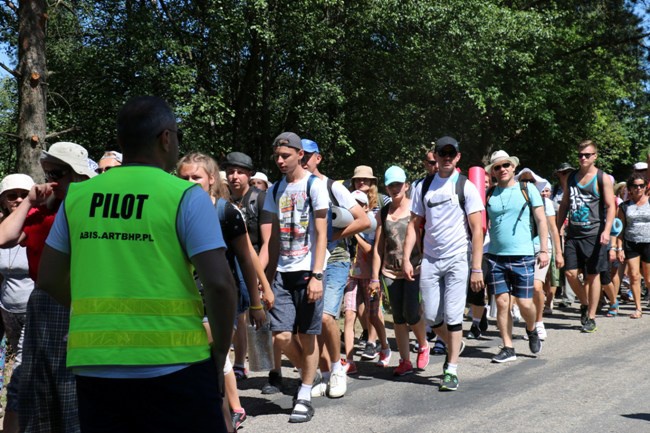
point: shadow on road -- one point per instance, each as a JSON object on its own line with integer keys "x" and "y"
{"x": 643, "y": 416}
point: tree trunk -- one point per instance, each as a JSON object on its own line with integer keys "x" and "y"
{"x": 32, "y": 87}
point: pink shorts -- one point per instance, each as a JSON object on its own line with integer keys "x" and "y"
{"x": 353, "y": 297}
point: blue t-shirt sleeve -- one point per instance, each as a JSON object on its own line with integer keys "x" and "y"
{"x": 198, "y": 223}
{"x": 59, "y": 236}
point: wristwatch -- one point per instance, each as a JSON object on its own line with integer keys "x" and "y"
{"x": 317, "y": 275}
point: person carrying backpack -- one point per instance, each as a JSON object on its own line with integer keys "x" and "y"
{"x": 449, "y": 220}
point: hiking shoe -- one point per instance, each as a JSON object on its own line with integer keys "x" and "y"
{"x": 423, "y": 357}
{"x": 370, "y": 352}
{"x": 405, "y": 367}
{"x": 440, "y": 347}
{"x": 240, "y": 372}
{"x": 534, "y": 342}
{"x": 384, "y": 358}
{"x": 238, "y": 418}
{"x": 274, "y": 385}
{"x": 474, "y": 332}
{"x": 483, "y": 324}
{"x": 350, "y": 367}
{"x": 541, "y": 331}
{"x": 319, "y": 386}
{"x": 505, "y": 355}
{"x": 337, "y": 385}
{"x": 584, "y": 315}
{"x": 589, "y": 326}
{"x": 449, "y": 382}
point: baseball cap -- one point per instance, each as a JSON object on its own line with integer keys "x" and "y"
{"x": 641, "y": 166}
{"x": 16, "y": 181}
{"x": 238, "y": 159}
{"x": 446, "y": 141}
{"x": 360, "y": 196}
{"x": 394, "y": 174}
{"x": 309, "y": 146}
{"x": 70, "y": 154}
{"x": 288, "y": 139}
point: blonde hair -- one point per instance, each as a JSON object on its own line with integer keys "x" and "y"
{"x": 373, "y": 194}
{"x": 218, "y": 189}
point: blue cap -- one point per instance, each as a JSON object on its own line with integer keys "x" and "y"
{"x": 309, "y": 146}
{"x": 394, "y": 174}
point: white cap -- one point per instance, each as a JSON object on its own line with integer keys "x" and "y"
{"x": 261, "y": 176}
{"x": 641, "y": 166}
{"x": 360, "y": 196}
{"x": 16, "y": 181}
{"x": 70, "y": 154}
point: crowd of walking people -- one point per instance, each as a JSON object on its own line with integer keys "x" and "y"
{"x": 124, "y": 283}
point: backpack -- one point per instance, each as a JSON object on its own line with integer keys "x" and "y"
{"x": 249, "y": 206}
{"x": 523, "y": 187}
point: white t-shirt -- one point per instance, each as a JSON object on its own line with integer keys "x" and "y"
{"x": 297, "y": 231}
{"x": 549, "y": 210}
{"x": 445, "y": 230}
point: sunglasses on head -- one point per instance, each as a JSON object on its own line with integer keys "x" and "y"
{"x": 13, "y": 195}
{"x": 54, "y": 175}
{"x": 504, "y": 165}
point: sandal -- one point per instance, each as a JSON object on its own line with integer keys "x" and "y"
{"x": 636, "y": 315}
{"x": 301, "y": 415}
{"x": 240, "y": 372}
{"x": 612, "y": 311}
{"x": 439, "y": 348}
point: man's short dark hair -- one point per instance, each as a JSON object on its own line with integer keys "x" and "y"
{"x": 585, "y": 144}
{"x": 141, "y": 120}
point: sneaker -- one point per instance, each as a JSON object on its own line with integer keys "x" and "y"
{"x": 505, "y": 355}
{"x": 541, "y": 331}
{"x": 584, "y": 314}
{"x": 350, "y": 367}
{"x": 363, "y": 340}
{"x": 370, "y": 352}
{"x": 238, "y": 418}
{"x": 274, "y": 385}
{"x": 384, "y": 358}
{"x": 589, "y": 326}
{"x": 423, "y": 357}
{"x": 440, "y": 347}
{"x": 483, "y": 324}
{"x": 337, "y": 385}
{"x": 474, "y": 332}
{"x": 431, "y": 336}
{"x": 534, "y": 342}
{"x": 319, "y": 387}
{"x": 405, "y": 367}
{"x": 449, "y": 382}
{"x": 548, "y": 311}
{"x": 240, "y": 372}
{"x": 516, "y": 314}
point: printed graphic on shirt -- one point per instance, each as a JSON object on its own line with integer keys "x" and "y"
{"x": 294, "y": 224}
{"x": 581, "y": 207}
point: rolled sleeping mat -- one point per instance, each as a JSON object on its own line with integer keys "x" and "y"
{"x": 373, "y": 224}
{"x": 476, "y": 175}
{"x": 341, "y": 217}
{"x": 617, "y": 227}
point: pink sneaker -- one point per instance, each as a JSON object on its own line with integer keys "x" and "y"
{"x": 349, "y": 367}
{"x": 423, "y": 357}
{"x": 384, "y": 358}
{"x": 405, "y": 367}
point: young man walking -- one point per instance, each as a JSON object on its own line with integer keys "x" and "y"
{"x": 449, "y": 222}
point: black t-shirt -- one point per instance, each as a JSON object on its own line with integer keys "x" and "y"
{"x": 251, "y": 205}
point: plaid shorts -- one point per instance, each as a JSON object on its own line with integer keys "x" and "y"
{"x": 511, "y": 274}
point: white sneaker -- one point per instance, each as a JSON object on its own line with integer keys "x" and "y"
{"x": 338, "y": 384}
{"x": 516, "y": 315}
{"x": 541, "y": 331}
{"x": 319, "y": 388}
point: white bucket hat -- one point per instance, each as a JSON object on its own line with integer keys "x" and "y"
{"x": 261, "y": 176}
{"x": 70, "y": 154}
{"x": 16, "y": 181}
{"x": 498, "y": 156}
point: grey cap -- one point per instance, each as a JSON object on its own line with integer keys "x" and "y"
{"x": 446, "y": 141}
{"x": 288, "y": 139}
{"x": 238, "y": 159}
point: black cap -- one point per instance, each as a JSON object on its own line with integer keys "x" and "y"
{"x": 565, "y": 166}
{"x": 446, "y": 141}
{"x": 238, "y": 159}
{"x": 288, "y": 139}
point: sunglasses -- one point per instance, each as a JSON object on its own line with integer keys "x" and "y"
{"x": 446, "y": 153}
{"x": 13, "y": 195}
{"x": 54, "y": 175}
{"x": 585, "y": 155}
{"x": 102, "y": 170}
{"x": 499, "y": 167}
{"x": 637, "y": 186}
{"x": 431, "y": 162}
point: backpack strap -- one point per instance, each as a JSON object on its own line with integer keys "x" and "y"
{"x": 488, "y": 194}
{"x": 426, "y": 183}
{"x": 460, "y": 190}
{"x": 276, "y": 185}
{"x": 333, "y": 199}
{"x": 221, "y": 209}
{"x": 523, "y": 186}
{"x": 383, "y": 213}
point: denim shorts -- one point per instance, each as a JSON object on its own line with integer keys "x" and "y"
{"x": 291, "y": 312}
{"x": 511, "y": 274}
{"x": 334, "y": 286}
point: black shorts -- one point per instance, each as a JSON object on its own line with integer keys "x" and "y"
{"x": 633, "y": 250}
{"x": 587, "y": 254}
{"x": 292, "y": 312}
{"x": 478, "y": 298}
